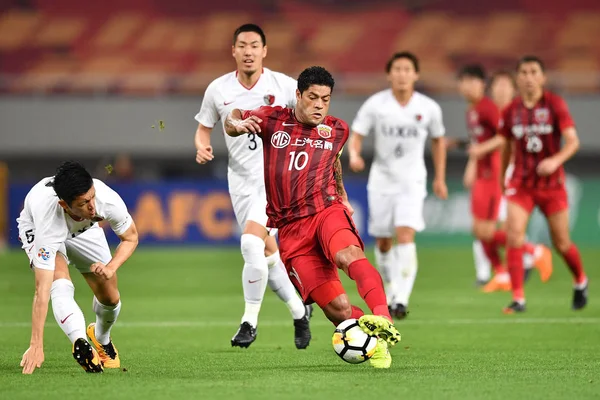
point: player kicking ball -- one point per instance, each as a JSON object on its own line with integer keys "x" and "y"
{"x": 59, "y": 226}
{"x": 537, "y": 122}
{"x": 307, "y": 202}
{"x": 251, "y": 86}
{"x": 482, "y": 176}
{"x": 400, "y": 119}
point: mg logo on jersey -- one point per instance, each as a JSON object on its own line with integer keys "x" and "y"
{"x": 269, "y": 99}
{"x": 280, "y": 139}
{"x": 541, "y": 115}
{"x": 324, "y": 131}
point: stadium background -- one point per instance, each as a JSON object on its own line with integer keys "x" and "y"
{"x": 95, "y": 82}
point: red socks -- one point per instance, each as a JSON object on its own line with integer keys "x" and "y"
{"x": 491, "y": 251}
{"x": 514, "y": 258}
{"x": 356, "y": 312}
{"x": 573, "y": 260}
{"x": 370, "y": 287}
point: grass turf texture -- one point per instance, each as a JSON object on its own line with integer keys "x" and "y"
{"x": 181, "y": 308}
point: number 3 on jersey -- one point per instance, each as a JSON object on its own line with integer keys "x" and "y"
{"x": 298, "y": 160}
{"x": 253, "y": 145}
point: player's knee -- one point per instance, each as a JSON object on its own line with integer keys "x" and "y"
{"x": 251, "y": 244}
{"x": 483, "y": 231}
{"x": 562, "y": 244}
{"x": 338, "y": 310}
{"x": 405, "y": 235}
{"x": 384, "y": 244}
{"x": 348, "y": 255}
{"x": 514, "y": 237}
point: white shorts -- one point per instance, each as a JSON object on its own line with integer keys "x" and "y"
{"x": 252, "y": 207}
{"x": 81, "y": 251}
{"x": 388, "y": 211}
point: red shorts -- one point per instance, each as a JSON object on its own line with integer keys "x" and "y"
{"x": 308, "y": 247}
{"x": 486, "y": 195}
{"x": 550, "y": 201}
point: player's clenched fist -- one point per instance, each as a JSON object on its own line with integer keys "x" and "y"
{"x": 357, "y": 163}
{"x": 32, "y": 359}
{"x": 102, "y": 270}
{"x": 204, "y": 154}
{"x": 249, "y": 125}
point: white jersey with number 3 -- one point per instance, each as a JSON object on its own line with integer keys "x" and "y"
{"x": 400, "y": 135}
{"x": 245, "y": 170}
{"x": 44, "y": 226}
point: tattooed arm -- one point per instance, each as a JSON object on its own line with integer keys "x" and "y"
{"x": 339, "y": 184}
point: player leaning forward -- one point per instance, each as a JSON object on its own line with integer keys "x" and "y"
{"x": 307, "y": 202}
{"x": 59, "y": 226}
{"x": 400, "y": 119}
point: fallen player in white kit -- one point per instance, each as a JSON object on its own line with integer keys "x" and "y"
{"x": 59, "y": 226}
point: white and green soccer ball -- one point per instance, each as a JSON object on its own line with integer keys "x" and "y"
{"x": 351, "y": 343}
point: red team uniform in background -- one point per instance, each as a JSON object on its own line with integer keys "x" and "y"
{"x": 486, "y": 194}
{"x": 537, "y": 134}
{"x": 303, "y": 202}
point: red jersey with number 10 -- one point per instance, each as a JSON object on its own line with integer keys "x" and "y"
{"x": 299, "y": 163}
{"x": 537, "y": 133}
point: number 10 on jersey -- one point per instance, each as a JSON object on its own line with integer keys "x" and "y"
{"x": 298, "y": 160}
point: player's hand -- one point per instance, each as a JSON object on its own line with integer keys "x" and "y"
{"x": 347, "y": 204}
{"x": 357, "y": 164}
{"x": 249, "y": 125}
{"x": 440, "y": 189}
{"x": 32, "y": 359}
{"x": 475, "y": 151}
{"x": 102, "y": 270}
{"x": 469, "y": 178}
{"x": 204, "y": 154}
{"x": 547, "y": 166}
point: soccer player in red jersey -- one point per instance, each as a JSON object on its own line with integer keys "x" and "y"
{"x": 482, "y": 176}
{"x": 307, "y": 202}
{"x": 537, "y": 121}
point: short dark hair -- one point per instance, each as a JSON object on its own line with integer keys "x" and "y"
{"x": 531, "y": 59}
{"x": 315, "y": 76}
{"x": 71, "y": 181}
{"x": 250, "y": 28}
{"x": 503, "y": 74}
{"x": 472, "y": 71}
{"x": 403, "y": 54}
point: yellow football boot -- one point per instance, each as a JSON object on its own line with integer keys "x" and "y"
{"x": 108, "y": 353}
{"x": 376, "y": 325}
{"x": 382, "y": 357}
{"x": 86, "y": 356}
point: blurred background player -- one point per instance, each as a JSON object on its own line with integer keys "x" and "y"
{"x": 251, "y": 86}
{"x": 400, "y": 119}
{"x": 58, "y": 226}
{"x": 537, "y": 121}
{"x": 307, "y": 201}
{"x": 482, "y": 176}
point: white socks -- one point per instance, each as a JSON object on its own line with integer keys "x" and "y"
{"x": 67, "y": 313}
{"x": 483, "y": 268}
{"x": 404, "y": 272}
{"x": 384, "y": 262}
{"x": 106, "y": 316}
{"x": 254, "y": 276}
{"x": 280, "y": 283}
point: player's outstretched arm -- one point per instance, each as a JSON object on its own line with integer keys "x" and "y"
{"x": 481, "y": 149}
{"x": 34, "y": 356}
{"x": 129, "y": 242}
{"x": 357, "y": 164}
{"x": 438, "y": 153}
{"x": 204, "y": 151}
{"x": 236, "y": 126}
{"x": 570, "y": 146}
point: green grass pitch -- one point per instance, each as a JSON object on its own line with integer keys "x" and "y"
{"x": 181, "y": 307}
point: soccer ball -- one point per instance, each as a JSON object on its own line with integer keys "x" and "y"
{"x": 352, "y": 344}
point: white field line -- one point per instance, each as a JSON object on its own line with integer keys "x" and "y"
{"x": 321, "y": 322}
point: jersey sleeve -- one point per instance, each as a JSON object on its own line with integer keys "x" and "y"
{"x": 563, "y": 115}
{"x": 436, "y": 127}
{"x": 504, "y": 128}
{"x": 263, "y": 113}
{"x": 115, "y": 211}
{"x": 208, "y": 115}
{"x": 364, "y": 122}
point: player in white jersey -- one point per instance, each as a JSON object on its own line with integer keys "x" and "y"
{"x": 59, "y": 226}
{"x": 400, "y": 119}
{"x": 251, "y": 86}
